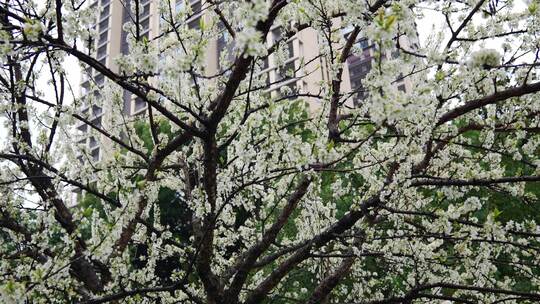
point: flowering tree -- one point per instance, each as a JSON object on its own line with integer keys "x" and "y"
{"x": 225, "y": 192}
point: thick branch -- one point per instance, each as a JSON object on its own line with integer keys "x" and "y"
{"x": 491, "y": 99}
{"x": 473, "y": 182}
{"x": 246, "y": 261}
{"x": 342, "y": 225}
{"x": 331, "y": 281}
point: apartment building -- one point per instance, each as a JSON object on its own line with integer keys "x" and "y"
{"x": 110, "y": 42}
{"x": 302, "y": 49}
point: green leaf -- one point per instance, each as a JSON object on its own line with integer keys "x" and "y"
{"x": 380, "y": 18}
{"x": 141, "y": 184}
{"x": 439, "y": 76}
{"x": 88, "y": 212}
{"x": 10, "y": 287}
{"x": 330, "y": 145}
{"x": 496, "y": 213}
{"x": 202, "y": 24}
{"x": 533, "y": 7}
{"x": 117, "y": 154}
{"x": 389, "y": 22}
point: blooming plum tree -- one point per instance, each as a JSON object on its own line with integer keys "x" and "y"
{"x": 227, "y": 190}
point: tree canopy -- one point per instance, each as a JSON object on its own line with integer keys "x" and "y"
{"x": 230, "y": 187}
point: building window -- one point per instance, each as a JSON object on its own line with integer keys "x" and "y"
{"x": 224, "y": 43}
{"x": 358, "y": 69}
{"x": 103, "y": 37}
{"x": 99, "y": 79}
{"x": 102, "y": 51}
{"x": 285, "y": 72}
{"x": 92, "y": 142}
{"x": 96, "y": 111}
{"x": 126, "y": 13}
{"x": 359, "y": 66}
{"x": 95, "y": 154}
{"x": 264, "y": 63}
{"x": 196, "y": 7}
{"x": 196, "y": 14}
{"x": 362, "y": 43}
{"x": 179, "y": 5}
{"x": 146, "y": 10}
{"x": 96, "y": 122}
{"x": 127, "y": 103}
{"x": 266, "y": 78}
{"x": 293, "y": 90}
{"x": 103, "y": 25}
{"x": 139, "y": 105}
{"x": 145, "y": 24}
{"x": 83, "y": 128}
{"x": 195, "y": 23}
{"x": 277, "y": 37}
{"x": 104, "y": 12}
